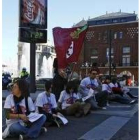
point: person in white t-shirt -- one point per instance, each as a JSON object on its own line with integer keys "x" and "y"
{"x": 99, "y": 100}
{"x": 107, "y": 86}
{"x": 46, "y": 104}
{"x": 70, "y": 101}
{"x": 17, "y": 106}
{"x": 117, "y": 89}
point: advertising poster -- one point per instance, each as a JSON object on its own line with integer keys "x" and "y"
{"x": 33, "y": 13}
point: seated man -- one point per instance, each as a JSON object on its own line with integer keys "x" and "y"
{"x": 99, "y": 99}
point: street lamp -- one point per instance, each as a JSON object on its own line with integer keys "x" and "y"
{"x": 110, "y": 43}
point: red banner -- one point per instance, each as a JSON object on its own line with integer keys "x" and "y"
{"x": 68, "y": 43}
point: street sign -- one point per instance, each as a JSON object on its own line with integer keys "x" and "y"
{"x": 32, "y": 35}
{"x": 33, "y": 13}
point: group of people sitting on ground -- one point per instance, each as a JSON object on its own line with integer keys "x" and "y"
{"x": 76, "y": 98}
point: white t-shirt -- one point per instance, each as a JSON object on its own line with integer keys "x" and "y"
{"x": 87, "y": 81}
{"x": 106, "y": 87}
{"x": 10, "y": 104}
{"x": 46, "y": 102}
{"x": 67, "y": 99}
{"x": 113, "y": 85}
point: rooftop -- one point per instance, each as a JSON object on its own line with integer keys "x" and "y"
{"x": 113, "y": 15}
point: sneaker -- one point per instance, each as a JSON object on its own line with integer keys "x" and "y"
{"x": 133, "y": 101}
{"x": 86, "y": 108}
{"x": 23, "y": 137}
{"x": 135, "y": 97}
{"x": 43, "y": 130}
{"x": 104, "y": 108}
{"x": 107, "y": 104}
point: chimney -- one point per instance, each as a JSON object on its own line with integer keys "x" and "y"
{"x": 106, "y": 13}
{"x": 134, "y": 12}
{"x": 120, "y": 10}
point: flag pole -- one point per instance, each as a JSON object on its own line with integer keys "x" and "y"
{"x": 73, "y": 69}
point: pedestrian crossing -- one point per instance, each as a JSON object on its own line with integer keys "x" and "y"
{"x": 106, "y": 130}
{"x": 119, "y": 110}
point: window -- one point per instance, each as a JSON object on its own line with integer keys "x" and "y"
{"x": 126, "y": 60}
{"x": 94, "y": 52}
{"x": 107, "y": 54}
{"x": 106, "y": 21}
{"x": 105, "y": 36}
{"x": 123, "y": 20}
{"x": 121, "y": 35}
{"x": 115, "y": 20}
{"x": 98, "y": 22}
{"x": 38, "y": 48}
{"x": 107, "y": 50}
{"x": 126, "y": 49}
{"x": 94, "y": 60}
{"x": 115, "y": 35}
{"x": 99, "y": 36}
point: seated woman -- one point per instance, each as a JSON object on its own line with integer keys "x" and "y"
{"x": 70, "y": 102}
{"x": 117, "y": 89}
{"x": 46, "y": 104}
{"x": 17, "y": 106}
{"x": 114, "y": 97}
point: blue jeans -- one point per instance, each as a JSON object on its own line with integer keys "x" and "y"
{"x": 32, "y": 132}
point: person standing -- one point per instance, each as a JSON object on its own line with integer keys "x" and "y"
{"x": 59, "y": 80}
{"x": 24, "y": 74}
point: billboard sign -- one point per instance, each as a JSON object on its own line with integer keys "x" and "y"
{"x": 33, "y": 13}
{"x": 32, "y": 36}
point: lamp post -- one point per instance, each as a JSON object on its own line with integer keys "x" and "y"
{"x": 110, "y": 43}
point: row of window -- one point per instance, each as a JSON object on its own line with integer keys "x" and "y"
{"x": 125, "y": 50}
{"x": 116, "y": 35}
{"x": 125, "y": 56}
{"x": 125, "y": 60}
{"x": 111, "y": 21}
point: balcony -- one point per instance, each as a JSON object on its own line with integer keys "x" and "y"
{"x": 119, "y": 64}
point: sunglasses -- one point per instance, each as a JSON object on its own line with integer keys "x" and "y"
{"x": 94, "y": 73}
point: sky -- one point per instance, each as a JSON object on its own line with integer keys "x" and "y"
{"x": 62, "y": 13}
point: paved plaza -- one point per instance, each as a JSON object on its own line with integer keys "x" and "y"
{"x": 118, "y": 122}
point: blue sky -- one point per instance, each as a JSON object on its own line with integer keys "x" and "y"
{"x": 63, "y": 13}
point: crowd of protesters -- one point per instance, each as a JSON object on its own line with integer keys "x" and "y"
{"x": 61, "y": 96}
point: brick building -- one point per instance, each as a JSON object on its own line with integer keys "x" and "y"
{"x": 124, "y": 44}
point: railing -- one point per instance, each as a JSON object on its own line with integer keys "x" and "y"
{"x": 118, "y": 64}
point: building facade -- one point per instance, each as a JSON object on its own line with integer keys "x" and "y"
{"x": 120, "y": 30}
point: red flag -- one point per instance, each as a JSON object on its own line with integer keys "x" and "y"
{"x": 68, "y": 43}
